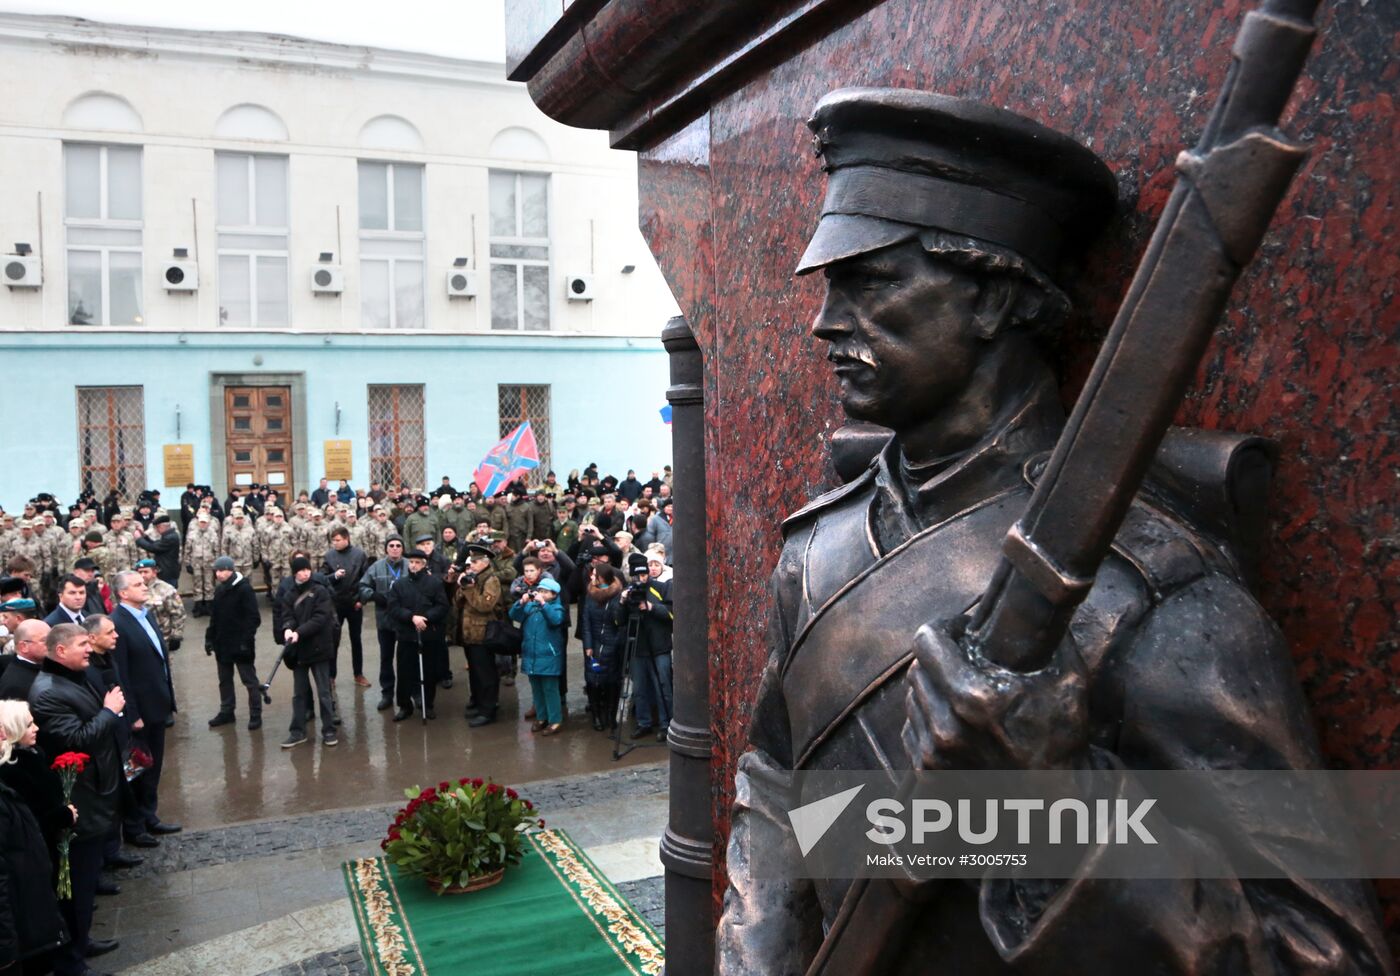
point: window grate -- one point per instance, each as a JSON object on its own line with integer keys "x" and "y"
{"x": 396, "y": 454}
{"x": 518, "y": 404}
{"x": 112, "y": 439}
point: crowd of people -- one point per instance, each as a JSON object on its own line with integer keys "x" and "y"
{"x": 91, "y": 608}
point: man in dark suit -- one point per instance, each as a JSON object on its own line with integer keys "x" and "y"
{"x": 141, "y": 660}
{"x": 72, "y": 602}
{"x": 29, "y": 655}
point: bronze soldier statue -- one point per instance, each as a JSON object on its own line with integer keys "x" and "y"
{"x": 944, "y": 237}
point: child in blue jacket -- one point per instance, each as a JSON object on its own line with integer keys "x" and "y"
{"x": 542, "y": 650}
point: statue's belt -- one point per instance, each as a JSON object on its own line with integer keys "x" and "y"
{"x": 863, "y": 636}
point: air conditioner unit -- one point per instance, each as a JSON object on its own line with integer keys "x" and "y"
{"x": 327, "y": 279}
{"x": 21, "y": 271}
{"x": 578, "y": 287}
{"x": 180, "y": 276}
{"x": 461, "y": 283}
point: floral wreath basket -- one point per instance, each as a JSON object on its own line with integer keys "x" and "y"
{"x": 460, "y": 837}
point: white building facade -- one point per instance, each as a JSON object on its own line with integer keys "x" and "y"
{"x": 237, "y": 248}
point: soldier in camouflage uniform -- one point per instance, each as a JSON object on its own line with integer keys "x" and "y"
{"x": 377, "y": 528}
{"x": 51, "y": 549}
{"x": 164, "y": 604}
{"x": 121, "y": 542}
{"x": 73, "y": 541}
{"x": 93, "y": 548}
{"x": 240, "y": 542}
{"x": 360, "y": 535}
{"x": 263, "y": 529}
{"x": 312, "y": 537}
{"x": 8, "y": 535}
{"x": 201, "y": 549}
{"x": 278, "y": 549}
{"x": 32, "y": 548}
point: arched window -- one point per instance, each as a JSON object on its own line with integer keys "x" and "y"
{"x": 101, "y": 110}
{"x": 391, "y": 132}
{"x": 248, "y": 121}
{"x": 519, "y": 144}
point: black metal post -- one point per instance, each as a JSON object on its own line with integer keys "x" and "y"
{"x": 687, "y": 847}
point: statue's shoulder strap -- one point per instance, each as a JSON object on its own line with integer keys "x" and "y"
{"x": 1167, "y": 550}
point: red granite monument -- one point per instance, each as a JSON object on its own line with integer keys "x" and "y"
{"x": 715, "y": 98}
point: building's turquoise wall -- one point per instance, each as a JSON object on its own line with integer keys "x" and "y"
{"x": 605, "y": 397}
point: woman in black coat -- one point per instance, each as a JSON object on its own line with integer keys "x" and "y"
{"x": 32, "y": 816}
{"x": 234, "y": 619}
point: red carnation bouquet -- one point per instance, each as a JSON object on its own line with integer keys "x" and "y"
{"x": 68, "y": 766}
{"x": 453, "y": 833}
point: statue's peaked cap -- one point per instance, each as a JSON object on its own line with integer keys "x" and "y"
{"x": 901, "y": 162}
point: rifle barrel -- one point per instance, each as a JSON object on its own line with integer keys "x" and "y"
{"x": 1226, "y": 192}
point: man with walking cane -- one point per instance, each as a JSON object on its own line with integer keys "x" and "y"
{"x": 417, "y": 608}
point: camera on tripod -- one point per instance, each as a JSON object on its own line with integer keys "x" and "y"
{"x": 634, "y": 596}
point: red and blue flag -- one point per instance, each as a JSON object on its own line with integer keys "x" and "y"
{"x": 514, "y": 456}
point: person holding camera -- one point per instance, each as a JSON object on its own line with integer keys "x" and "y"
{"x": 478, "y": 596}
{"x": 602, "y": 651}
{"x": 646, "y": 609}
{"x": 543, "y": 633}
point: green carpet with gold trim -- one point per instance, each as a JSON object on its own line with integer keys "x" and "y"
{"x": 553, "y": 913}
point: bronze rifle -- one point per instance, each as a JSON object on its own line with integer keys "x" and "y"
{"x": 1227, "y": 190}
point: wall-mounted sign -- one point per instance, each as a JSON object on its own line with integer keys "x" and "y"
{"x": 179, "y": 464}
{"x": 338, "y": 460}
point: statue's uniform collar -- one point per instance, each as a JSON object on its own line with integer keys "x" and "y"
{"x": 907, "y": 500}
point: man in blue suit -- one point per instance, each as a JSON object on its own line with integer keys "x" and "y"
{"x": 141, "y": 659}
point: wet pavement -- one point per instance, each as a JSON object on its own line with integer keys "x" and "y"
{"x": 254, "y": 885}
{"x": 215, "y": 777}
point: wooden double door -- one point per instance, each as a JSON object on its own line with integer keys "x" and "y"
{"x": 258, "y": 436}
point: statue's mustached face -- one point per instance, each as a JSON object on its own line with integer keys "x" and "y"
{"x": 899, "y": 324}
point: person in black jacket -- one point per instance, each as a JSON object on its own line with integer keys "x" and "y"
{"x": 418, "y": 608}
{"x": 72, "y": 718}
{"x": 599, "y": 613}
{"x": 31, "y": 925}
{"x": 102, "y": 675}
{"x": 233, "y": 624}
{"x": 648, "y": 601}
{"x": 142, "y": 660}
{"x": 164, "y": 549}
{"x": 25, "y": 768}
{"x": 345, "y": 565}
{"x": 304, "y": 623}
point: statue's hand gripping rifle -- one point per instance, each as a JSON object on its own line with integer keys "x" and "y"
{"x": 1226, "y": 192}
